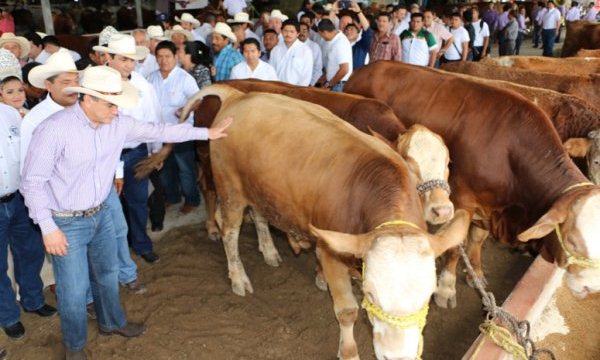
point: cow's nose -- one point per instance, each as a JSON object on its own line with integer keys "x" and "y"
{"x": 442, "y": 211}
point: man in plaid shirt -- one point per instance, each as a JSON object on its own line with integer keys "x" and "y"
{"x": 385, "y": 44}
{"x": 226, "y": 56}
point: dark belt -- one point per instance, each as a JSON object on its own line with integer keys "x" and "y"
{"x": 78, "y": 213}
{"x": 7, "y": 198}
{"x": 125, "y": 151}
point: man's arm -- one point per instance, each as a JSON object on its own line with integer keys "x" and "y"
{"x": 339, "y": 75}
{"x": 364, "y": 22}
{"x": 432, "y": 49}
{"x": 396, "y": 51}
{"x": 465, "y": 50}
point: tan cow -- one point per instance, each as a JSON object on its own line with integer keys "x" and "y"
{"x": 588, "y": 53}
{"x": 572, "y": 65}
{"x": 313, "y": 175}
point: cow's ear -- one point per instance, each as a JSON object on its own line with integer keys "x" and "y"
{"x": 379, "y": 136}
{"x": 355, "y": 245}
{"x": 577, "y": 147}
{"x": 544, "y": 226}
{"x": 452, "y": 234}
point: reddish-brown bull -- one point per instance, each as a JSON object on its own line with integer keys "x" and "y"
{"x": 310, "y": 171}
{"x": 583, "y": 86}
{"x": 572, "y": 65}
{"x": 581, "y": 35}
{"x": 588, "y": 53}
{"x": 509, "y": 168}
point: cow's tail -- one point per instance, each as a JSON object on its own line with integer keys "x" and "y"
{"x": 151, "y": 163}
{"x": 222, "y": 91}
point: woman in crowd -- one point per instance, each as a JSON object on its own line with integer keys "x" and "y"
{"x": 12, "y": 90}
{"x": 196, "y": 61}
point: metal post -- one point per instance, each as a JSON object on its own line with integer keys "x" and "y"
{"x": 47, "y": 15}
{"x": 138, "y": 11}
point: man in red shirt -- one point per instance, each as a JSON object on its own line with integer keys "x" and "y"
{"x": 385, "y": 44}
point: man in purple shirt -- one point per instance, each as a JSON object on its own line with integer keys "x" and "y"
{"x": 501, "y": 23}
{"x": 490, "y": 16}
{"x": 67, "y": 176}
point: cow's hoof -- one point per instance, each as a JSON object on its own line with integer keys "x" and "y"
{"x": 320, "y": 282}
{"x": 240, "y": 288}
{"x": 444, "y": 301}
{"x": 471, "y": 283}
{"x": 273, "y": 259}
{"x": 214, "y": 236}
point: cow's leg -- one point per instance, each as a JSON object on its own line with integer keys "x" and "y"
{"x": 265, "y": 240}
{"x": 445, "y": 294}
{"x": 232, "y": 215}
{"x": 344, "y": 304}
{"x": 207, "y": 187}
{"x": 477, "y": 237}
{"x": 319, "y": 277}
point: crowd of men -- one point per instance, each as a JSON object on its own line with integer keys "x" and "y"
{"x": 77, "y": 126}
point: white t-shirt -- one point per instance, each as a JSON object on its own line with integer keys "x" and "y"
{"x": 10, "y": 148}
{"x": 339, "y": 51}
{"x": 550, "y": 19}
{"x": 293, "y": 65}
{"x": 173, "y": 93}
{"x": 317, "y": 60}
{"x": 460, "y": 36}
{"x": 480, "y": 32}
{"x": 264, "y": 71}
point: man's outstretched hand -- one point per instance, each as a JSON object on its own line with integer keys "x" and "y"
{"x": 217, "y": 132}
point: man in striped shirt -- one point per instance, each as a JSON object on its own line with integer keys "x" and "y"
{"x": 385, "y": 44}
{"x": 67, "y": 176}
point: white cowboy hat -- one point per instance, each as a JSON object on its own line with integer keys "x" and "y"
{"x": 187, "y": 17}
{"x": 105, "y": 83}
{"x": 58, "y": 63}
{"x": 21, "y": 41}
{"x": 224, "y": 29}
{"x": 9, "y": 65}
{"x": 240, "y": 18}
{"x": 277, "y": 14}
{"x": 156, "y": 32}
{"x": 124, "y": 45}
{"x": 41, "y": 34}
{"x": 106, "y": 34}
{"x": 177, "y": 29}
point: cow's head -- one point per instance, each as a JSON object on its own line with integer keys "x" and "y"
{"x": 399, "y": 277}
{"x": 574, "y": 217}
{"x": 590, "y": 148}
{"x": 429, "y": 153}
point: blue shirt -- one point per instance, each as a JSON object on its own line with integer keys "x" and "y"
{"x": 225, "y": 61}
{"x": 360, "y": 49}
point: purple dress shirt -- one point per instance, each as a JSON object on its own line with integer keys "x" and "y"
{"x": 502, "y": 21}
{"x": 70, "y": 164}
{"x": 490, "y": 17}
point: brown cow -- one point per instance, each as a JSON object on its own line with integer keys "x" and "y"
{"x": 588, "y": 53}
{"x": 572, "y": 117}
{"x": 581, "y": 35}
{"x": 509, "y": 168}
{"x": 584, "y": 86}
{"x": 572, "y": 65}
{"x": 310, "y": 171}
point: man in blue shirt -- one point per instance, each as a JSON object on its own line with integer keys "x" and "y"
{"x": 226, "y": 57}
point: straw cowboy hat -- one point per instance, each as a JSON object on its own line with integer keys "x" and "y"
{"x": 224, "y": 29}
{"x": 156, "y": 32}
{"x": 277, "y": 14}
{"x": 106, "y": 34}
{"x": 21, "y": 41}
{"x": 124, "y": 45}
{"x": 58, "y": 63}
{"x": 240, "y": 18}
{"x": 177, "y": 29}
{"x": 105, "y": 83}
{"x": 9, "y": 65}
{"x": 187, "y": 17}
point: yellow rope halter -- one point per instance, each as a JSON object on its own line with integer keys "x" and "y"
{"x": 573, "y": 259}
{"x": 501, "y": 337}
{"x": 418, "y": 319}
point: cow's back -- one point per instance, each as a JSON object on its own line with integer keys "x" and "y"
{"x": 571, "y": 65}
{"x": 297, "y": 164}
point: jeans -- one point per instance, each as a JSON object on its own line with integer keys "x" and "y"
{"x": 501, "y": 46}
{"x": 178, "y": 175}
{"x": 135, "y": 194}
{"x": 91, "y": 260}
{"x": 339, "y": 87}
{"x": 509, "y": 47}
{"x": 518, "y": 43}
{"x": 19, "y": 232}
{"x": 536, "y": 34}
{"x": 548, "y": 36}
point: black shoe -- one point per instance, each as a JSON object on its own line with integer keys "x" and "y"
{"x": 3, "y": 353}
{"x": 45, "y": 311}
{"x": 150, "y": 257}
{"x": 15, "y": 331}
{"x": 129, "y": 330}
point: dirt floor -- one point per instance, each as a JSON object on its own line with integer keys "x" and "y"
{"x": 580, "y": 316}
{"x": 191, "y": 312}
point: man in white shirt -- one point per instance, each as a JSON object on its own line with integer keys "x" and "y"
{"x": 154, "y": 34}
{"x": 292, "y": 59}
{"x": 52, "y": 45}
{"x": 188, "y": 22}
{"x": 253, "y": 67}
{"x": 304, "y": 36}
{"x": 243, "y": 20}
{"x": 460, "y": 44}
{"x": 417, "y": 44}
{"x": 338, "y": 67}
{"x": 234, "y": 6}
{"x": 592, "y": 12}
{"x": 443, "y": 37}
{"x": 550, "y": 26}
{"x": 400, "y": 19}
{"x": 482, "y": 36}
{"x": 202, "y": 33}
{"x": 174, "y": 86}
{"x": 574, "y": 12}
{"x": 123, "y": 56}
